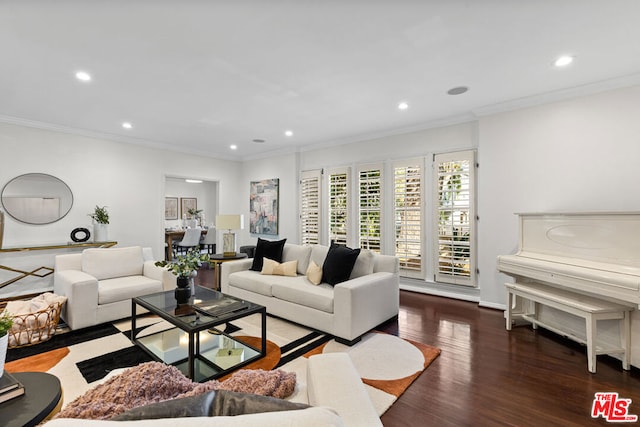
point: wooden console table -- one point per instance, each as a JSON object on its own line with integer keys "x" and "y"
{"x": 44, "y": 271}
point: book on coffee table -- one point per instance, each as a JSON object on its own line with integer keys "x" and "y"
{"x": 218, "y": 307}
{"x": 8, "y": 382}
{"x": 10, "y": 387}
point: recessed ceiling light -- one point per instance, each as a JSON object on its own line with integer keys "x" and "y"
{"x": 233, "y": 146}
{"x": 403, "y": 106}
{"x": 83, "y": 75}
{"x": 127, "y": 125}
{"x": 288, "y": 133}
{"x": 193, "y": 181}
{"x": 563, "y": 61}
{"x": 458, "y": 90}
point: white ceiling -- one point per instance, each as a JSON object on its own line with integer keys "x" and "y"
{"x": 198, "y": 76}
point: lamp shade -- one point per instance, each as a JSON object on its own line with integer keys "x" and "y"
{"x": 230, "y": 222}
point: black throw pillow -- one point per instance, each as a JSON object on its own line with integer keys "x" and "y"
{"x": 267, "y": 249}
{"x": 338, "y": 264}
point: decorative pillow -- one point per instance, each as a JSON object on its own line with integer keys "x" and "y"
{"x": 314, "y": 273}
{"x": 339, "y": 263}
{"x": 275, "y": 268}
{"x": 300, "y": 252}
{"x": 269, "y": 249}
{"x": 153, "y": 382}
{"x": 364, "y": 264}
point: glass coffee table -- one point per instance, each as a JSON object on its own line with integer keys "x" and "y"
{"x": 194, "y": 344}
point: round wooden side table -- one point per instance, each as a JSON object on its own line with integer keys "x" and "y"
{"x": 217, "y": 259}
{"x": 42, "y": 398}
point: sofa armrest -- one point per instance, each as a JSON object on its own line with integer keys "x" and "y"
{"x": 232, "y": 267}
{"x": 334, "y": 382}
{"x": 81, "y": 290}
{"x": 365, "y": 301}
{"x": 162, "y": 274}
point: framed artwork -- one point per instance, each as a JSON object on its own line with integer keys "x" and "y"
{"x": 187, "y": 203}
{"x": 170, "y": 208}
{"x": 263, "y": 206}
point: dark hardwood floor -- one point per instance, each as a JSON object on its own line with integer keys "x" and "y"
{"x": 488, "y": 376}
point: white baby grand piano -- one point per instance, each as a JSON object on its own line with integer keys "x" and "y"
{"x": 585, "y": 264}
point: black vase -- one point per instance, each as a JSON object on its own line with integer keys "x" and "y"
{"x": 183, "y": 291}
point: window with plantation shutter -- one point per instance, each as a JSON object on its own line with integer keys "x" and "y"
{"x": 407, "y": 210}
{"x": 310, "y": 211}
{"x": 338, "y": 205}
{"x": 370, "y": 207}
{"x": 454, "y": 177}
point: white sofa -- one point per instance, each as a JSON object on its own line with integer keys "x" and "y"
{"x": 335, "y": 392}
{"x": 100, "y": 282}
{"x": 347, "y": 310}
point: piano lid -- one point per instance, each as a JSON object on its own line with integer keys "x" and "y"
{"x": 591, "y": 252}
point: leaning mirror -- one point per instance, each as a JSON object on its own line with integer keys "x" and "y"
{"x": 37, "y": 198}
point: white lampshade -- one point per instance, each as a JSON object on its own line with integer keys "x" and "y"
{"x": 230, "y": 222}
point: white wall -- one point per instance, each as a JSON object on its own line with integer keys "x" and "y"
{"x": 577, "y": 155}
{"x": 129, "y": 179}
{"x": 285, "y": 168}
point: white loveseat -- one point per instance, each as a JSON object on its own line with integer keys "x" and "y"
{"x": 347, "y": 310}
{"x": 100, "y": 282}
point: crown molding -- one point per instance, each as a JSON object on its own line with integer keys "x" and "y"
{"x": 111, "y": 137}
{"x": 559, "y": 95}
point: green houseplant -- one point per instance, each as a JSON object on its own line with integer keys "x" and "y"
{"x": 184, "y": 267}
{"x": 100, "y": 215}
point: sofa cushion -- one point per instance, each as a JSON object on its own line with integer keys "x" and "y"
{"x": 319, "y": 254}
{"x": 108, "y": 263}
{"x": 123, "y": 288}
{"x": 364, "y": 264}
{"x": 269, "y": 249}
{"x": 302, "y": 253}
{"x": 271, "y": 267}
{"x": 339, "y": 263}
{"x": 297, "y": 290}
{"x": 314, "y": 273}
{"x": 251, "y": 281}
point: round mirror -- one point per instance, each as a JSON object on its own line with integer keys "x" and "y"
{"x": 37, "y": 198}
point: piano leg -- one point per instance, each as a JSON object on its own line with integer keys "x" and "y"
{"x": 511, "y": 304}
{"x": 626, "y": 339}
{"x": 591, "y": 345}
{"x": 535, "y": 310}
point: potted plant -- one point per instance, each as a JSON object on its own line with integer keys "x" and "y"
{"x": 185, "y": 267}
{"x": 6, "y": 322}
{"x": 100, "y": 217}
{"x": 195, "y": 216}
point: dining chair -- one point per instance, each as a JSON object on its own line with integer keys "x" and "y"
{"x": 190, "y": 240}
{"x": 208, "y": 242}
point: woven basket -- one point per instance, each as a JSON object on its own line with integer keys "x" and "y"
{"x": 34, "y": 328}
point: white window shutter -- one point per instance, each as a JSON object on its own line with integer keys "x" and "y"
{"x": 454, "y": 204}
{"x": 310, "y": 202}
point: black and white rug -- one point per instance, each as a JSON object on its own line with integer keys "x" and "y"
{"x": 387, "y": 364}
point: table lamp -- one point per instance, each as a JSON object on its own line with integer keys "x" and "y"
{"x": 229, "y": 222}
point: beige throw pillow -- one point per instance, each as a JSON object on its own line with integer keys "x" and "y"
{"x": 275, "y": 268}
{"x": 314, "y": 273}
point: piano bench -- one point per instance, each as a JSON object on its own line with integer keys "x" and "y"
{"x": 589, "y": 308}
